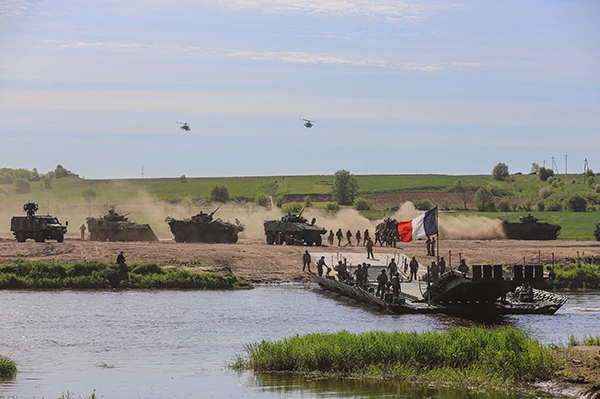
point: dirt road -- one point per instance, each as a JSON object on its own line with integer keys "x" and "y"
{"x": 254, "y": 260}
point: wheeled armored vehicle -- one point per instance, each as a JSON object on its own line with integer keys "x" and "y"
{"x": 115, "y": 227}
{"x": 530, "y": 228}
{"x": 203, "y": 228}
{"x": 39, "y": 228}
{"x": 293, "y": 230}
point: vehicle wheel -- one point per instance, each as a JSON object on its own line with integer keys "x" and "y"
{"x": 112, "y": 237}
{"x": 41, "y": 237}
{"x": 233, "y": 239}
{"x": 60, "y": 238}
{"x": 102, "y": 235}
{"x": 289, "y": 240}
{"x": 179, "y": 237}
{"x": 309, "y": 243}
{"x": 20, "y": 236}
{"x": 279, "y": 239}
{"x": 319, "y": 241}
{"x": 270, "y": 239}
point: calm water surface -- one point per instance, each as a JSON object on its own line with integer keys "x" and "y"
{"x": 176, "y": 344}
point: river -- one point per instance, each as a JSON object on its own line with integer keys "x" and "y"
{"x": 175, "y": 344}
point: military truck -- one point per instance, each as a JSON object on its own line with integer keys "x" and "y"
{"x": 597, "y": 231}
{"x": 293, "y": 230}
{"x": 530, "y": 228}
{"x": 39, "y": 228}
{"x": 203, "y": 228}
{"x": 115, "y": 227}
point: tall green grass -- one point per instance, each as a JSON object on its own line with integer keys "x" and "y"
{"x": 499, "y": 356}
{"x": 21, "y": 274}
{"x": 575, "y": 276}
{"x": 8, "y": 368}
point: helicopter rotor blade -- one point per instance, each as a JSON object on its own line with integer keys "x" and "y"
{"x": 181, "y": 123}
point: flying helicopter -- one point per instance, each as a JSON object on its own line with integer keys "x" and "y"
{"x": 184, "y": 126}
{"x": 308, "y": 123}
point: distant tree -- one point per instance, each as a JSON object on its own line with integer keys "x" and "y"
{"x": 89, "y": 195}
{"x": 261, "y": 200}
{"x": 362, "y": 204}
{"x": 484, "y": 200}
{"x": 446, "y": 205}
{"x": 7, "y": 178}
{"x": 589, "y": 173}
{"x": 422, "y": 205}
{"x": 219, "y": 193}
{"x": 577, "y": 203}
{"x": 345, "y": 187}
{"x": 590, "y": 181}
{"x": 535, "y": 167}
{"x": 35, "y": 176}
{"x": 545, "y": 173}
{"x": 61, "y": 172}
{"x": 47, "y": 181}
{"x": 459, "y": 187}
{"x": 504, "y": 205}
{"x": 308, "y": 202}
{"x": 183, "y": 179}
{"x": 22, "y": 186}
{"x": 500, "y": 171}
{"x": 293, "y": 208}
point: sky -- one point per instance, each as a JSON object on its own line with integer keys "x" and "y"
{"x": 393, "y": 87}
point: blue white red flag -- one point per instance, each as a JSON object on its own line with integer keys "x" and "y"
{"x": 420, "y": 227}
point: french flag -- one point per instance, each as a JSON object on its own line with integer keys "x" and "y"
{"x": 420, "y": 227}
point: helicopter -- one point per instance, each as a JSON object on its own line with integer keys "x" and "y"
{"x": 308, "y": 123}
{"x": 184, "y": 126}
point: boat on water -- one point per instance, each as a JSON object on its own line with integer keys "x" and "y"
{"x": 485, "y": 294}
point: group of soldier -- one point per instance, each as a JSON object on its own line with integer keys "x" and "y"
{"x": 365, "y": 237}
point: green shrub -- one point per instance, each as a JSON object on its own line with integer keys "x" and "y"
{"x": 8, "y": 368}
{"x": 545, "y": 192}
{"x": 151, "y": 268}
{"x": 423, "y": 205}
{"x": 362, "y": 204}
{"x": 540, "y": 205}
{"x": 500, "y": 171}
{"x": 293, "y": 208}
{"x": 577, "y": 203}
{"x": 545, "y": 173}
{"x": 497, "y": 190}
{"x": 219, "y": 193}
{"x": 515, "y": 206}
{"x": 484, "y": 200}
{"x": 183, "y": 179}
{"x": 307, "y": 201}
{"x": 446, "y": 205}
{"x": 332, "y": 206}
{"x": 261, "y": 200}
{"x": 590, "y": 181}
{"x": 504, "y": 205}
{"x": 554, "y": 206}
{"x": 526, "y": 206}
{"x": 598, "y": 188}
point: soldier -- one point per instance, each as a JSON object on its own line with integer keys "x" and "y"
{"x": 405, "y": 265}
{"x": 382, "y": 280}
{"x": 428, "y": 243}
{"x": 320, "y": 265}
{"x": 340, "y": 236}
{"x": 359, "y": 276}
{"x": 370, "y": 249}
{"x": 442, "y": 266}
{"x": 358, "y": 237}
{"x": 392, "y": 267}
{"x": 82, "y": 230}
{"x": 330, "y": 237}
{"x": 463, "y": 268}
{"x": 342, "y": 270}
{"x": 349, "y": 237}
{"x": 366, "y": 267}
{"x": 306, "y": 261}
{"x": 434, "y": 271}
{"x": 433, "y": 246}
{"x": 121, "y": 259}
{"x": 366, "y": 237}
{"x": 378, "y": 238}
{"x": 123, "y": 272}
{"x": 396, "y": 285}
{"x": 414, "y": 267}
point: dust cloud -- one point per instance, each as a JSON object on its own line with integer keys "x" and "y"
{"x": 463, "y": 227}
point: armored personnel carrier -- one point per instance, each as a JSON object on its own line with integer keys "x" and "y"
{"x": 388, "y": 230}
{"x": 39, "y": 228}
{"x": 203, "y": 228}
{"x": 115, "y": 227}
{"x": 597, "y": 231}
{"x": 530, "y": 228}
{"x": 293, "y": 230}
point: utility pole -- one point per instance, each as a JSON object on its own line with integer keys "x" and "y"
{"x": 143, "y": 172}
{"x": 585, "y": 166}
{"x": 554, "y": 166}
{"x": 566, "y": 156}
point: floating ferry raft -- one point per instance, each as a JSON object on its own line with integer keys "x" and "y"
{"x": 484, "y": 294}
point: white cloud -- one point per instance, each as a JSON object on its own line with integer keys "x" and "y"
{"x": 294, "y": 57}
{"x": 389, "y": 9}
{"x": 13, "y": 8}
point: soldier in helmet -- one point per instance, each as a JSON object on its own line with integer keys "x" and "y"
{"x": 320, "y": 265}
{"x": 382, "y": 280}
{"x": 349, "y": 237}
{"x": 82, "y": 230}
{"x": 340, "y": 236}
{"x": 330, "y": 237}
{"x": 306, "y": 261}
{"x": 358, "y": 237}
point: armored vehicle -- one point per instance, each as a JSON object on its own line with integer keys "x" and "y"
{"x": 597, "y": 231}
{"x": 203, "y": 228}
{"x": 293, "y": 230}
{"x": 40, "y": 228}
{"x": 530, "y": 228}
{"x": 115, "y": 227}
{"x": 388, "y": 230}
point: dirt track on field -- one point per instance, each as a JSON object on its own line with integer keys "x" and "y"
{"x": 256, "y": 261}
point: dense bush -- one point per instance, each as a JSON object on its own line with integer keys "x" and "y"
{"x": 484, "y": 200}
{"x": 545, "y": 173}
{"x": 307, "y": 201}
{"x": 500, "y": 171}
{"x": 22, "y": 186}
{"x": 554, "y": 206}
{"x": 261, "y": 200}
{"x": 219, "y": 193}
{"x": 598, "y": 188}
{"x": 362, "y": 204}
{"x": 526, "y": 206}
{"x": 545, "y": 192}
{"x": 498, "y": 191}
{"x": 504, "y": 205}
{"x": 422, "y": 205}
{"x": 446, "y": 205}
{"x": 61, "y": 172}
{"x": 540, "y": 205}
{"x": 577, "y": 203}
{"x": 8, "y": 368}
{"x": 292, "y": 207}
{"x": 183, "y": 179}
{"x": 576, "y": 276}
{"x": 332, "y": 206}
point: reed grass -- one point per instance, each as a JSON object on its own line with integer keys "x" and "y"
{"x": 21, "y": 274}
{"x": 481, "y": 356}
{"x": 576, "y": 276}
{"x": 8, "y": 367}
{"x": 587, "y": 341}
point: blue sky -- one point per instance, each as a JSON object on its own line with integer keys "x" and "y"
{"x": 394, "y": 87}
